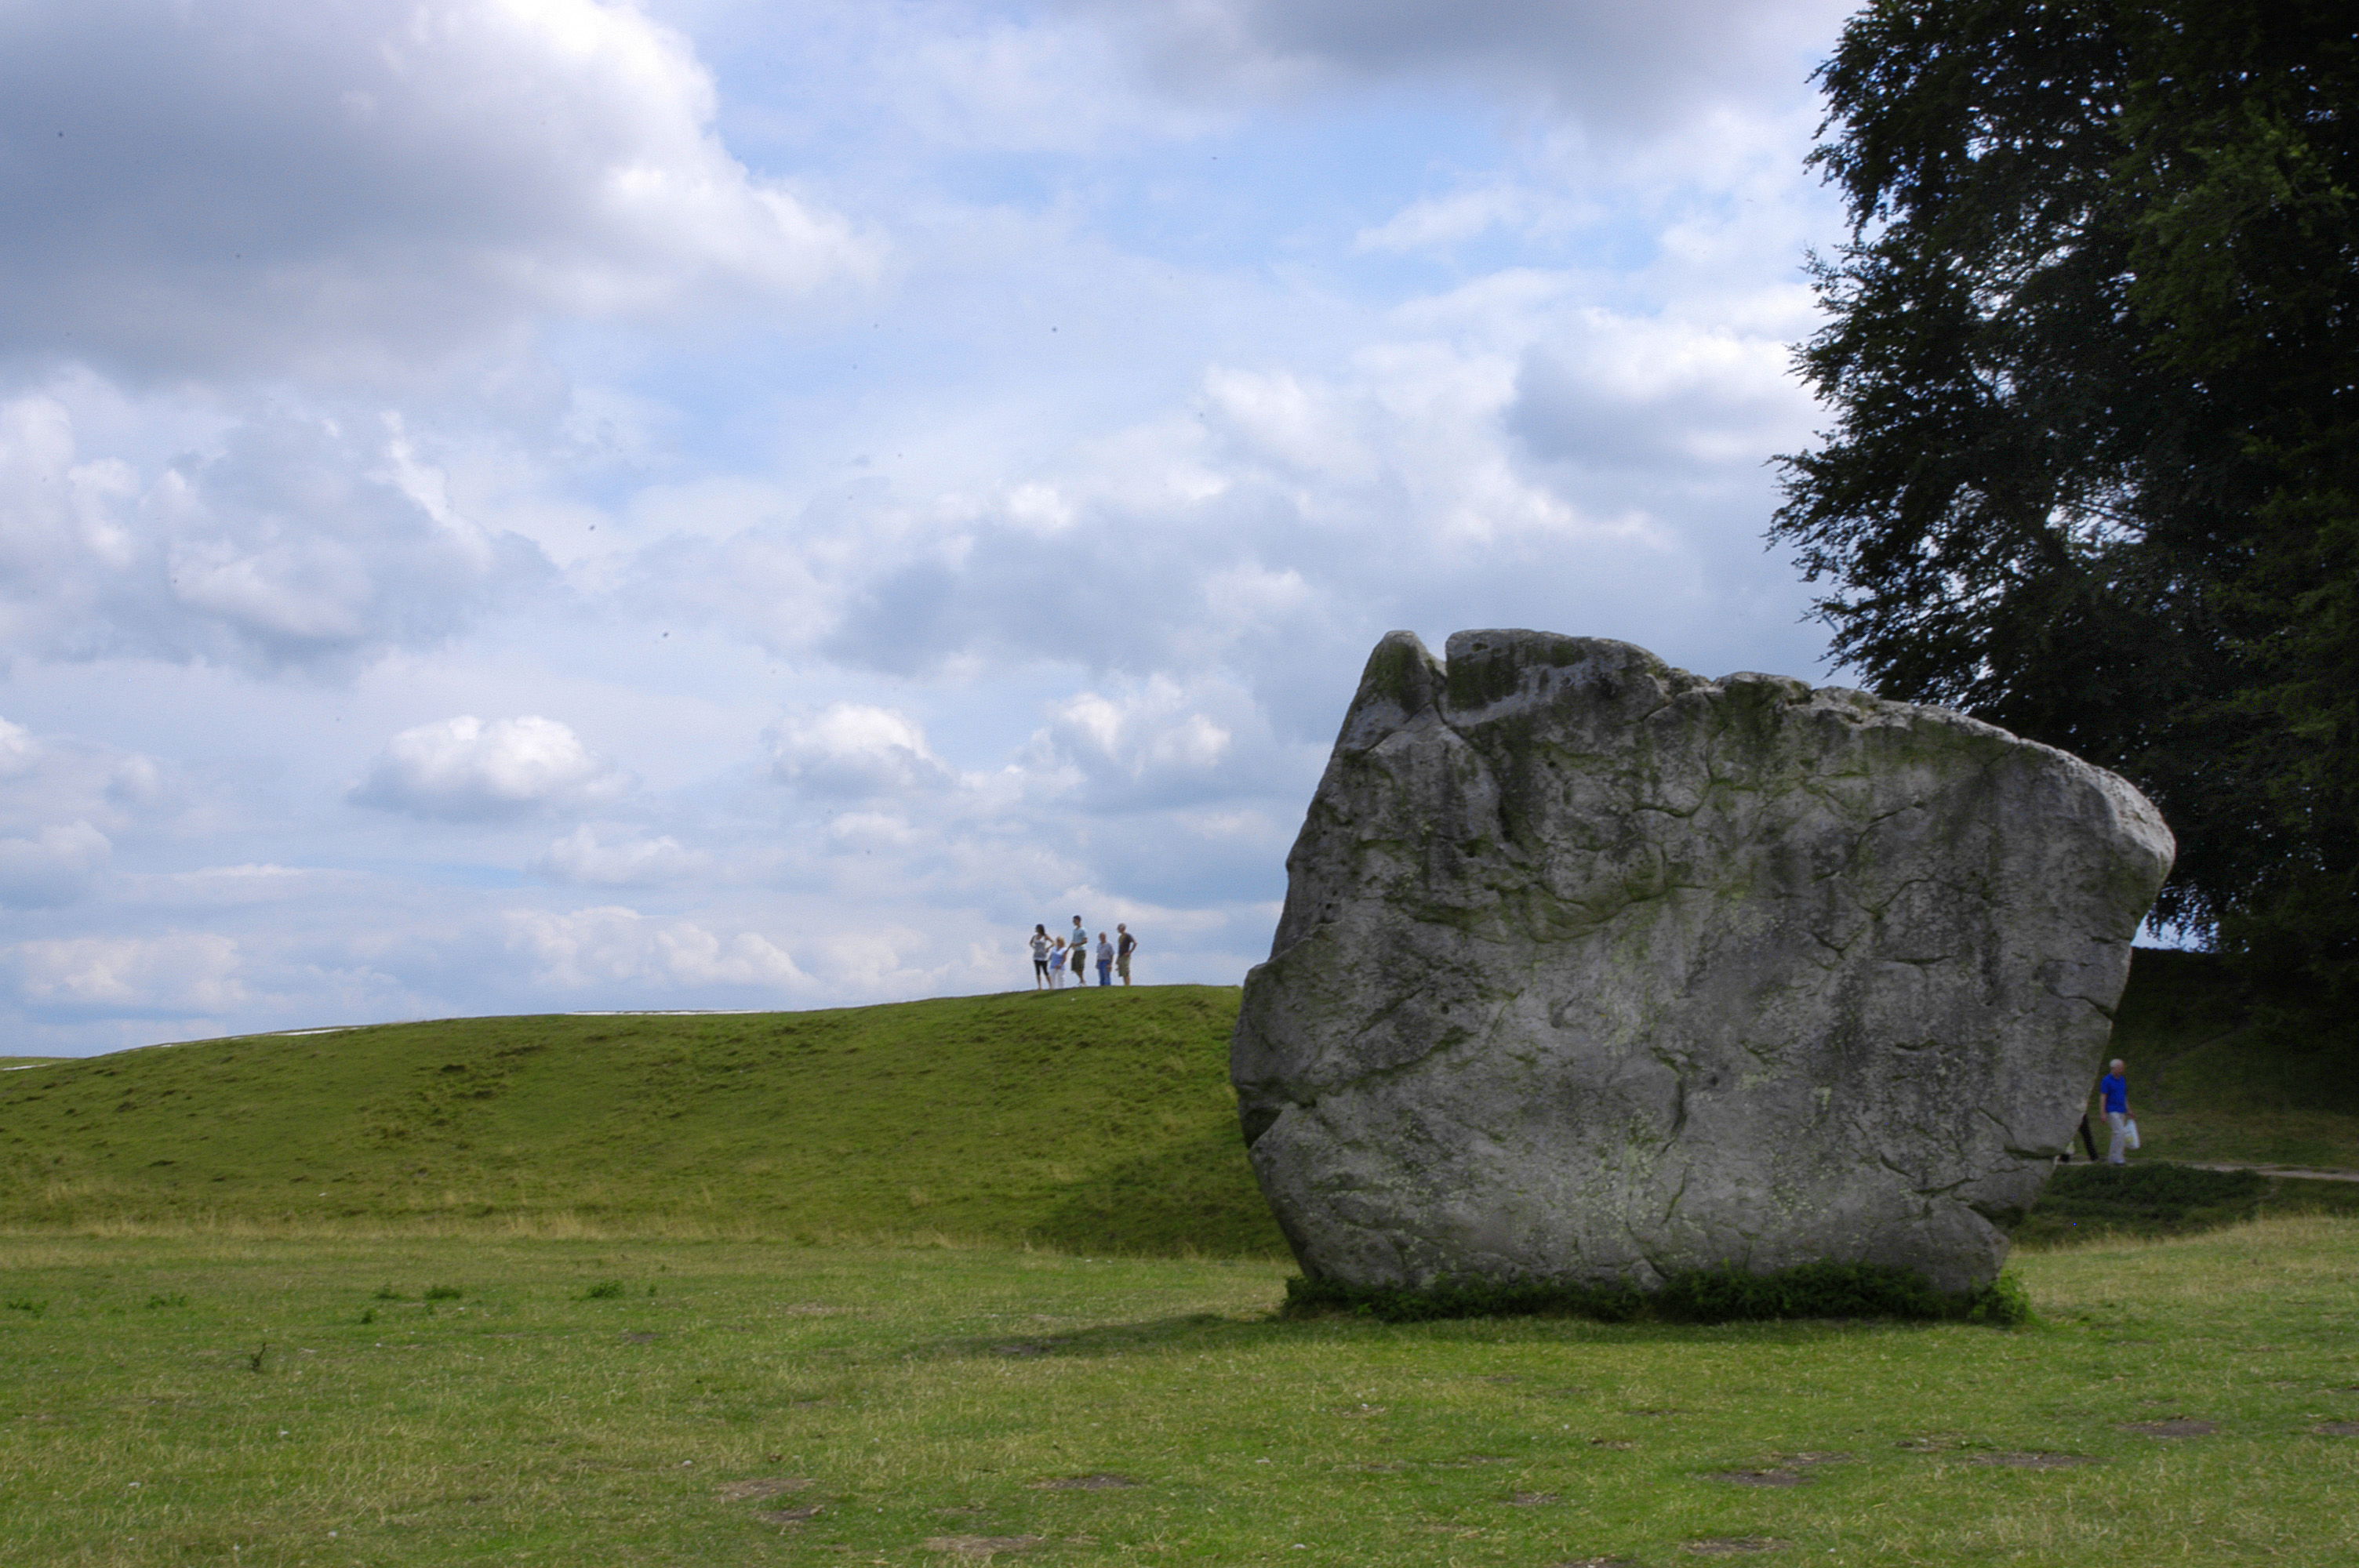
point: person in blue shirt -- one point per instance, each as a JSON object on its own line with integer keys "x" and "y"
{"x": 2114, "y": 1088}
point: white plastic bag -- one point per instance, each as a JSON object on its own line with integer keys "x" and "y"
{"x": 2129, "y": 1133}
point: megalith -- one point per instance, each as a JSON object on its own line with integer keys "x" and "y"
{"x": 1591, "y": 970}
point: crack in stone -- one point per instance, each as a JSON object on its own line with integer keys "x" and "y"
{"x": 1798, "y": 924}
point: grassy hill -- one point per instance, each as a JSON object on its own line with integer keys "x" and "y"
{"x": 1092, "y": 1121}
{"x": 2213, "y": 1077}
{"x": 1095, "y": 1119}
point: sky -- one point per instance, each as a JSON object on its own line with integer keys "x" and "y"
{"x": 543, "y": 506}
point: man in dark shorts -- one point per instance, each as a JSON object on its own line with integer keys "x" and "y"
{"x": 1079, "y": 943}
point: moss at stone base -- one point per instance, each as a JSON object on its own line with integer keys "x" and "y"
{"x": 1702, "y": 1295}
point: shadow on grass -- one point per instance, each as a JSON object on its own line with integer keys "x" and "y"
{"x": 2159, "y": 1198}
{"x": 1192, "y": 1333}
{"x": 1196, "y": 1197}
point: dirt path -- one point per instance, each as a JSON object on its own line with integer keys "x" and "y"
{"x": 2292, "y": 1172}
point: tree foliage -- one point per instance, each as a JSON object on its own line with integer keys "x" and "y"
{"x": 2093, "y": 358}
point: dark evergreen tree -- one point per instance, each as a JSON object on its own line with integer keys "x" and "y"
{"x": 2093, "y": 358}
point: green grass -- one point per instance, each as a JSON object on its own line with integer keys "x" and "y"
{"x": 2155, "y": 1198}
{"x": 1093, "y": 1120}
{"x": 546, "y": 1290}
{"x": 217, "y": 1400}
{"x": 2214, "y": 1078}
{"x": 1097, "y": 1121}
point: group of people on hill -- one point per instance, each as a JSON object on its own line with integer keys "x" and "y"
{"x": 1053, "y": 956}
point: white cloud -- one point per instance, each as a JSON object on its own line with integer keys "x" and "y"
{"x": 230, "y": 887}
{"x": 463, "y": 769}
{"x": 62, "y": 803}
{"x": 180, "y": 972}
{"x": 53, "y": 866}
{"x": 1154, "y": 743}
{"x": 594, "y": 947}
{"x": 1438, "y": 221}
{"x": 589, "y": 856}
{"x": 1505, "y": 454}
{"x": 1012, "y": 83}
{"x": 1659, "y": 397}
{"x": 18, "y": 751}
{"x": 1617, "y": 65}
{"x": 247, "y": 184}
{"x": 852, "y": 749}
{"x": 1175, "y": 351}
{"x": 299, "y": 541}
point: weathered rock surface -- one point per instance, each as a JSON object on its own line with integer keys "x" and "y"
{"x": 1591, "y": 969}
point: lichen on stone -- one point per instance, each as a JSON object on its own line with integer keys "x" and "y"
{"x": 1596, "y": 972}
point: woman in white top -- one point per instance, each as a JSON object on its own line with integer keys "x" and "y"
{"x": 1039, "y": 957}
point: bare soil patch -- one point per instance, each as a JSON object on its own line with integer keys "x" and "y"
{"x": 764, "y": 1487}
{"x": 982, "y": 1545}
{"x": 1779, "y": 1477}
{"x": 2337, "y": 1429}
{"x": 1735, "y": 1545}
{"x": 1104, "y": 1481}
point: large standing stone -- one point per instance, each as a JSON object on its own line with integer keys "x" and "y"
{"x": 1593, "y": 970}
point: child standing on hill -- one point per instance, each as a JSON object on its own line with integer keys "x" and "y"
{"x": 1056, "y": 963}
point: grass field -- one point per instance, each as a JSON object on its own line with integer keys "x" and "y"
{"x": 294, "y": 1402}
{"x": 989, "y": 1277}
{"x": 1099, "y": 1119}
{"x": 1095, "y": 1119}
{"x": 2209, "y": 1084}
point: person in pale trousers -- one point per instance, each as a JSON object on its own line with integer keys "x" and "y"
{"x": 2114, "y": 1088}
